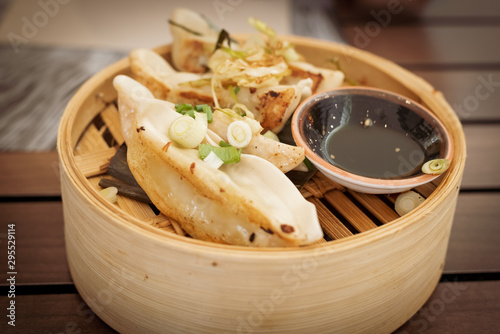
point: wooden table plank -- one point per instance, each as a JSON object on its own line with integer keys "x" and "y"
{"x": 40, "y": 248}
{"x": 427, "y": 45}
{"x": 458, "y": 307}
{"x": 474, "y": 244}
{"x": 474, "y": 95}
{"x": 454, "y": 307}
{"x": 57, "y": 313}
{"x": 430, "y": 12}
{"x": 483, "y": 157}
{"x": 461, "y": 9}
{"x": 29, "y": 174}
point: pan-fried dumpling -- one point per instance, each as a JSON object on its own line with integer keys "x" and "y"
{"x": 273, "y": 105}
{"x": 193, "y": 40}
{"x": 249, "y": 203}
{"x": 322, "y": 78}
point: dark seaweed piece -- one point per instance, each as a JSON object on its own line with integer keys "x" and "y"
{"x": 125, "y": 181}
{"x": 223, "y": 36}
{"x": 184, "y": 28}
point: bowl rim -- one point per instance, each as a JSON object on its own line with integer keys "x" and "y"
{"x": 371, "y": 182}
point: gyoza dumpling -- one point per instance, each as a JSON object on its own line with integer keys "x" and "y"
{"x": 249, "y": 203}
{"x": 274, "y": 105}
{"x": 191, "y": 47}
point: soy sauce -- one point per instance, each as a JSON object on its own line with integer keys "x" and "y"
{"x": 373, "y": 151}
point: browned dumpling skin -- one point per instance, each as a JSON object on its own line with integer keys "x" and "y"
{"x": 250, "y": 203}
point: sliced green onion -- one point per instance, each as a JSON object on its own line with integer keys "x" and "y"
{"x": 233, "y": 53}
{"x": 229, "y": 155}
{"x": 308, "y": 164}
{"x": 181, "y": 108}
{"x": 199, "y": 107}
{"x": 407, "y": 201}
{"x": 436, "y": 166}
{"x": 188, "y": 109}
{"x": 213, "y": 160}
{"x": 239, "y": 134}
{"x": 208, "y": 111}
{"x": 223, "y": 144}
{"x": 187, "y": 131}
{"x": 271, "y": 135}
{"x": 109, "y": 193}
{"x": 232, "y": 91}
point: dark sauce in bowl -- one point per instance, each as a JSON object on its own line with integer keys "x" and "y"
{"x": 373, "y": 151}
{"x": 371, "y": 133}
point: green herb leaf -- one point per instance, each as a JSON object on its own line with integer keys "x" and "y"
{"x": 308, "y": 164}
{"x": 182, "y": 108}
{"x": 207, "y": 110}
{"x": 229, "y": 154}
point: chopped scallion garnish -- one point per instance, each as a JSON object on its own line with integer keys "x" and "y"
{"x": 207, "y": 110}
{"x": 407, "y": 201}
{"x": 239, "y": 134}
{"x": 229, "y": 154}
{"x": 436, "y": 166}
{"x": 234, "y": 53}
{"x": 188, "y": 109}
{"x": 188, "y": 131}
{"x": 233, "y": 91}
{"x": 183, "y": 107}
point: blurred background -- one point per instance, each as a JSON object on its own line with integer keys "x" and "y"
{"x": 48, "y": 48}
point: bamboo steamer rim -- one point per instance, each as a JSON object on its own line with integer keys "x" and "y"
{"x": 433, "y": 99}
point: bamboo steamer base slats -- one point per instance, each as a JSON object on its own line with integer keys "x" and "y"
{"x": 369, "y": 274}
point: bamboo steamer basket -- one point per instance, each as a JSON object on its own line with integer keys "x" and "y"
{"x": 139, "y": 273}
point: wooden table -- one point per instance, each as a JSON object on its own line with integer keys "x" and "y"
{"x": 454, "y": 46}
